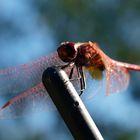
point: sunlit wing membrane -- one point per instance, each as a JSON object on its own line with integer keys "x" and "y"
{"x": 18, "y": 79}
{"x": 33, "y": 100}
{"x": 95, "y": 73}
{"x": 117, "y": 78}
{"x": 95, "y": 85}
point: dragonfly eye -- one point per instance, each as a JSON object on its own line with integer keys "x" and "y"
{"x": 67, "y": 51}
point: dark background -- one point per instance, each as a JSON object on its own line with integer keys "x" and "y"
{"x": 30, "y": 29}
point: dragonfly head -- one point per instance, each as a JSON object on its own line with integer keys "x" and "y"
{"x": 67, "y": 51}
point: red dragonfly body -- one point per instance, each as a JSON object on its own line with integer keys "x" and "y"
{"x": 27, "y": 78}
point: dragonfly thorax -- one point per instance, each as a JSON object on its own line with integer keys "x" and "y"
{"x": 88, "y": 56}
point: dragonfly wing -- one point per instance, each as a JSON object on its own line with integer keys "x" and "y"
{"x": 117, "y": 78}
{"x": 18, "y": 79}
{"x": 33, "y": 100}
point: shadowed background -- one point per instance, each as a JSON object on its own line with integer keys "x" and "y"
{"x": 35, "y": 28}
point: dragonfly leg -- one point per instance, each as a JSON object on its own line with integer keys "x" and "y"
{"x": 65, "y": 65}
{"x": 81, "y": 74}
{"x": 71, "y": 64}
{"x": 71, "y": 73}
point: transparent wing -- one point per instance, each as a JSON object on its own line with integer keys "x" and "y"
{"x": 95, "y": 86}
{"x": 33, "y": 100}
{"x": 117, "y": 78}
{"x": 18, "y": 79}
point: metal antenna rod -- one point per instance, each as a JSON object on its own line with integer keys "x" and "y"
{"x": 69, "y": 105}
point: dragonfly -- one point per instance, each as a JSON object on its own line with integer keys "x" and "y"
{"x": 24, "y": 82}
